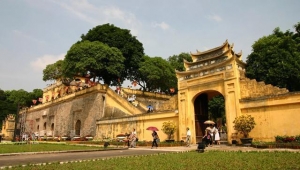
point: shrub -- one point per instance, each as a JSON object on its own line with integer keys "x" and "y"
{"x": 287, "y": 139}
{"x": 169, "y": 129}
{"x": 244, "y": 124}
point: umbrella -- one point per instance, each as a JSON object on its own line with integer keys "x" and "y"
{"x": 209, "y": 122}
{"x": 121, "y": 135}
{"x": 149, "y": 107}
{"x": 152, "y": 128}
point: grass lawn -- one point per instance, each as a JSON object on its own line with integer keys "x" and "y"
{"x": 187, "y": 160}
{"x": 41, "y": 147}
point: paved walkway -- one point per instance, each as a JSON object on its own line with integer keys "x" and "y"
{"x": 14, "y": 159}
{"x": 218, "y": 148}
{"x": 193, "y": 147}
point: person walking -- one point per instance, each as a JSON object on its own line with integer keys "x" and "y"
{"x": 133, "y": 138}
{"x": 188, "y": 137}
{"x": 212, "y": 133}
{"x": 207, "y": 137}
{"x": 155, "y": 138}
{"x": 210, "y": 130}
{"x": 217, "y": 136}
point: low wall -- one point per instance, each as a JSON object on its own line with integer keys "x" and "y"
{"x": 275, "y": 115}
{"x": 111, "y": 128}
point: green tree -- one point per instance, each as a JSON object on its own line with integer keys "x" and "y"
{"x": 156, "y": 73}
{"x": 53, "y": 71}
{"x": 6, "y": 107}
{"x": 276, "y": 59}
{"x": 11, "y": 99}
{"x": 94, "y": 58}
{"x": 130, "y": 47}
{"x": 20, "y": 97}
{"x": 36, "y": 94}
{"x": 176, "y": 61}
{"x": 216, "y": 108}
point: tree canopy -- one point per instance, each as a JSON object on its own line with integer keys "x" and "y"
{"x": 53, "y": 71}
{"x": 276, "y": 59}
{"x": 216, "y": 108}
{"x": 94, "y": 58}
{"x": 130, "y": 47}
{"x": 10, "y": 99}
{"x": 176, "y": 61}
{"x": 156, "y": 73}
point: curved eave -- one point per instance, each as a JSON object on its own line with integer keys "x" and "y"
{"x": 240, "y": 62}
{"x": 187, "y": 64}
{"x": 208, "y": 51}
{"x": 239, "y": 55}
{"x": 183, "y": 73}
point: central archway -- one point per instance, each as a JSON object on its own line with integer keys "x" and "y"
{"x": 201, "y": 111}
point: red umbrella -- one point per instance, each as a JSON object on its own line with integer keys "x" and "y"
{"x": 152, "y": 128}
{"x": 121, "y": 135}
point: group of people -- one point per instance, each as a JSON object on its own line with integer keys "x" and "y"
{"x": 132, "y": 138}
{"x": 211, "y": 135}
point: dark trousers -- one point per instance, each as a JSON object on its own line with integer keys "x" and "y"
{"x": 154, "y": 143}
{"x": 208, "y": 140}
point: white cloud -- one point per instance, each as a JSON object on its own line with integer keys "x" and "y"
{"x": 161, "y": 25}
{"x": 79, "y": 8}
{"x": 94, "y": 15}
{"x": 41, "y": 62}
{"x": 215, "y": 17}
{"x": 23, "y": 35}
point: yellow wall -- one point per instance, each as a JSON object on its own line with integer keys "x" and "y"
{"x": 111, "y": 128}
{"x": 274, "y": 116}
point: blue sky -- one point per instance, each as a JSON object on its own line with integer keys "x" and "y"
{"x": 35, "y": 33}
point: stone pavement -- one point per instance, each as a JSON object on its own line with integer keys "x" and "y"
{"x": 222, "y": 147}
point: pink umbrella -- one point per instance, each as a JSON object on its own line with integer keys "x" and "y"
{"x": 152, "y": 128}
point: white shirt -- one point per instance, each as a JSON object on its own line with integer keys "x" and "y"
{"x": 188, "y": 133}
{"x": 134, "y": 134}
{"x": 212, "y": 131}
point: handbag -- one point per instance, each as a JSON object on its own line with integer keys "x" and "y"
{"x": 157, "y": 140}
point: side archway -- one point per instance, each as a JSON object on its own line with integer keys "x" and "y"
{"x": 77, "y": 127}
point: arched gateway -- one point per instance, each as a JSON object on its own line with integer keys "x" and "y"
{"x": 220, "y": 71}
{"x": 213, "y": 72}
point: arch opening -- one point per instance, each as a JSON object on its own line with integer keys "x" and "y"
{"x": 206, "y": 106}
{"x": 77, "y": 127}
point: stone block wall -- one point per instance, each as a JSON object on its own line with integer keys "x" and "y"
{"x": 63, "y": 115}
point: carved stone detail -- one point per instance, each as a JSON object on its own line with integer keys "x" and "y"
{"x": 229, "y": 74}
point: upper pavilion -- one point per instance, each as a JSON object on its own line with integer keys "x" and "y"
{"x": 211, "y": 61}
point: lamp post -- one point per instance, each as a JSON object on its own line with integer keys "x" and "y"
{"x": 16, "y": 124}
